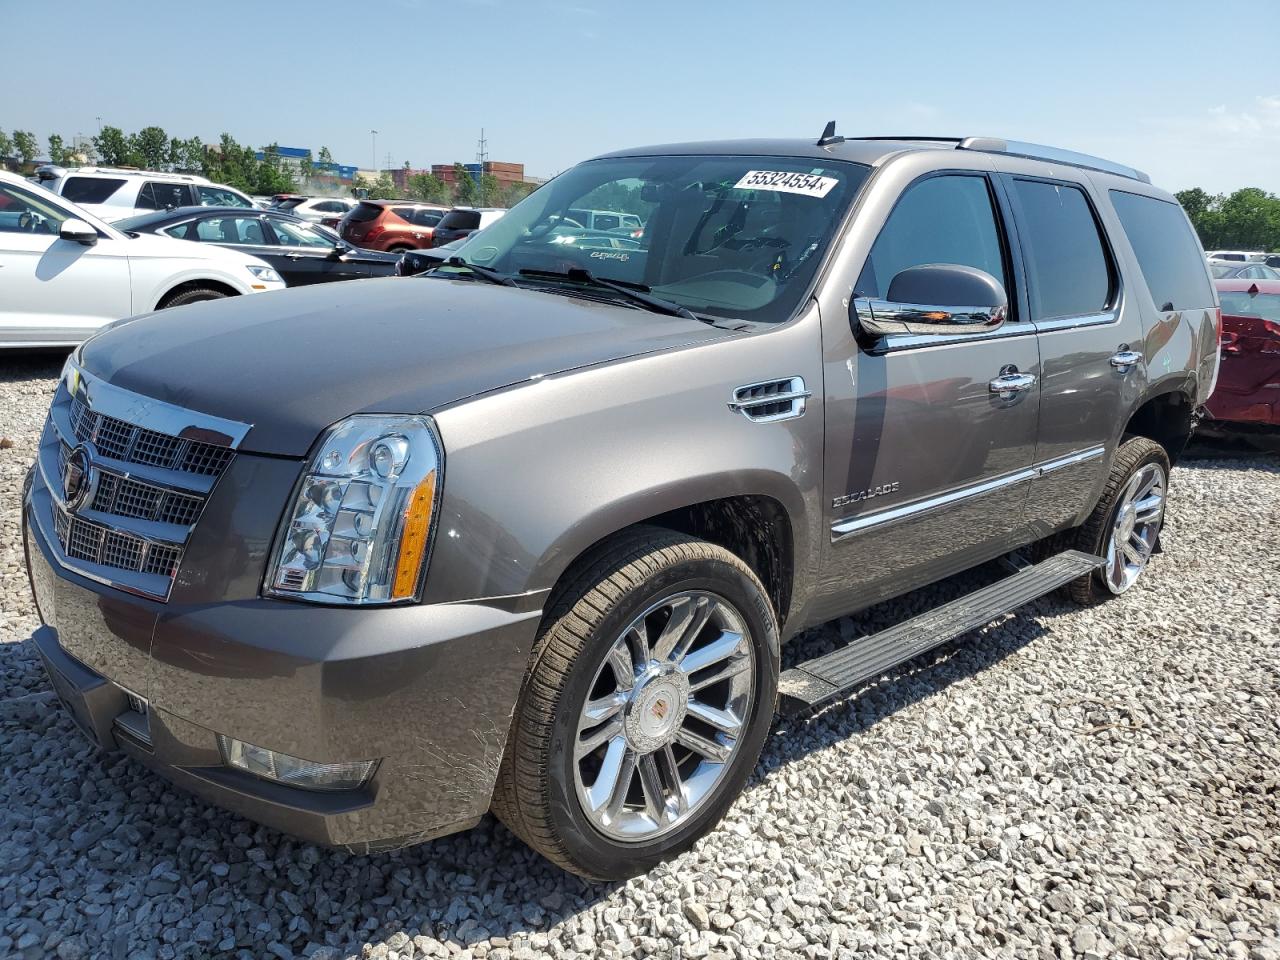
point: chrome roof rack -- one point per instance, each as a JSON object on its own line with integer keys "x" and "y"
{"x": 1032, "y": 151}
{"x": 1037, "y": 151}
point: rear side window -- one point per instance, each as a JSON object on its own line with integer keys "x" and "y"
{"x": 947, "y": 219}
{"x": 427, "y": 218}
{"x": 89, "y": 189}
{"x": 1241, "y": 303}
{"x": 1069, "y": 271}
{"x": 460, "y": 220}
{"x": 220, "y": 197}
{"x": 365, "y": 212}
{"x": 163, "y": 196}
{"x": 1167, "y": 251}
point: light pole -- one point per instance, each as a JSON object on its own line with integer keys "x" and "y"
{"x": 99, "y": 119}
{"x": 374, "y": 135}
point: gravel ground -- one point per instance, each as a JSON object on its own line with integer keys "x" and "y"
{"x": 1068, "y": 784}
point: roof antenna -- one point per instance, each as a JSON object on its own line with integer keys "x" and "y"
{"x": 829, "y": 135}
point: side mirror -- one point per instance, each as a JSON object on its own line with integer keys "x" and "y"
{"x": 77, "y": 231}
{"x": 340, "y": 250}
{"x": 935, "y": 298}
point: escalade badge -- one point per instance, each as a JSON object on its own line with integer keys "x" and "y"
{"x": 79, "y": 477}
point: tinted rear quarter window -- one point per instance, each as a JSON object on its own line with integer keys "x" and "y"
{"x": 1241, "y": 303}
{"x": 365, "y": 212}
{"x": 1168, "y": 253}
{"x": 460, "y": 220}
{"x": 1070, "y": 272}
{"x": 89, "y": 189}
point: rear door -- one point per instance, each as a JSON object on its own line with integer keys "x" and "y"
{"x": 926, "y": 465}
{"x": 1090, "y": 339}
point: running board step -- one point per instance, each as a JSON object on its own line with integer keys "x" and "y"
{"x": 826, "y": 679}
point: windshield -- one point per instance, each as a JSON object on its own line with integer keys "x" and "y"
{"x": 736, "y": 237}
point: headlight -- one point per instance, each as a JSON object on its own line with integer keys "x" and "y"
{"x": 359, "y": 528}
{"x": 265, "y": 274}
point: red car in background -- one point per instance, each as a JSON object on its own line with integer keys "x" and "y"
{"x": 391, "y": 225}
{"x": 1248, "y": 392}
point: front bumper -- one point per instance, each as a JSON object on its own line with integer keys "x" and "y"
{"x": 426, "y": 690}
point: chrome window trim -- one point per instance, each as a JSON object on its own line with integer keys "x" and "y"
{"x": 911, "y": 341}
{"x": 1073, "y": 323}
{"x": 843, "y": 529}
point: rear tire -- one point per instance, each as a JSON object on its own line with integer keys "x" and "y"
{"x": 659, "y": 776}
{"x": 1125, "y": 525}
{"x": 191, "y": 295}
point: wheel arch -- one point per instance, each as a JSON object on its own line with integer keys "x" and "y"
{"x": 760, "y": 522}
{"x": 193, "y": 284}
{"x": 1165, "y": 416}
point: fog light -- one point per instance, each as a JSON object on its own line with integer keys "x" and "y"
{"x": 292, "y": 771}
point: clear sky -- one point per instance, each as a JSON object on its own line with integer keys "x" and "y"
{"x": 1180, "y": 89}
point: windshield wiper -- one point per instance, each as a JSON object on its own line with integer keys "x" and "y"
{"x": 484, "y": 273}
{"x": 635, "y": 292}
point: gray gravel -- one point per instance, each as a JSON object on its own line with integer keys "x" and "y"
{"x": 1069, "y": 784}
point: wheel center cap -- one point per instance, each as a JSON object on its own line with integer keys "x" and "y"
{"x": 656, "y": 710}
{"x": 1128, "y": 519}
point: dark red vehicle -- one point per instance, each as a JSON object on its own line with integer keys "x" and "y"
{"x": 391, "y": 225}
{"x": 1248, "y": 391}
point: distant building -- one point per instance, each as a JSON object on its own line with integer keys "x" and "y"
{"x": 505, "y": 173}
{"x": 322, "y": 174}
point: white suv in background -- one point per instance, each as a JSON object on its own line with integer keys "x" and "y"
{"x": 64, "y": 273}
{"x": 325, "y": 210}
{"x": 113, "y": 194}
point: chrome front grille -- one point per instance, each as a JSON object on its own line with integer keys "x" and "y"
{"x": 152, "y": 467}
{"x": 133, "y": 444}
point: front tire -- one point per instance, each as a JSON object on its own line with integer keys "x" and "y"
{"x": 651, "y": 691}
{"x": 1124, "y": 527}
{"x": 191, "y": 295}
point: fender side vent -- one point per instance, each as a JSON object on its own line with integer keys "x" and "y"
{"x": 771, "y": 400}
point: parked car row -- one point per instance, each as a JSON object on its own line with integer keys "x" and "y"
{"x": 66, "y": 272}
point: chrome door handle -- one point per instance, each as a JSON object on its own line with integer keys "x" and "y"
{"x": 1009, "y": 385}
{"x": 1126, "y": 359}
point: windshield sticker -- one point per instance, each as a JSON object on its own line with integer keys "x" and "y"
{"x": 783, "y": 181}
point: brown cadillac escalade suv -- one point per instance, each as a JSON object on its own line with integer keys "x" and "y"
{"x": 525, "y": 533}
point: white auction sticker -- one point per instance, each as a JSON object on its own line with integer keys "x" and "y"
{"x": 783, "y": 181}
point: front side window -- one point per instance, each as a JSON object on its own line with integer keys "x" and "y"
{"x": 90, "y": 189}
{"x": 1168, "y": 252}
{"x": 300, "y": 234}
{"x": 727, "y": 236}
{"x": 22, "y": 212}
{"x": 944, "y": 219}
{"x": 220, "y": 197}
{"x": 1069, "y": 272}
{"x": 230, "y": 230}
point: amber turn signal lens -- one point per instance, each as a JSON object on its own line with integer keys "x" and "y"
{"x": 413, "y": 542}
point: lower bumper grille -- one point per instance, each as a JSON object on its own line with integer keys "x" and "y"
{"x": 85, "y": 540}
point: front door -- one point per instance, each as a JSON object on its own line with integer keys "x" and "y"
{"x": 306, "y": 255}
{"x": 55, "y": 291}
{"x": 927, "y": 466}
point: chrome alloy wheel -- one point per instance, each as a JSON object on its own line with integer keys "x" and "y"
{"x": 1135, "y": 527}
{"x": 665, "y": 714}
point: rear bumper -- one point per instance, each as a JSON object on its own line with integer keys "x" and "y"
{"x": 426, "y": 691}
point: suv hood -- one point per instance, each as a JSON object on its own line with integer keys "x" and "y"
{"x": 290, "y": 363}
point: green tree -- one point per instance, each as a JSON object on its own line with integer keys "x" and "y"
{"x": 513, "y": 193}
{"x": 464, "y": 187}
{"x": 58, "y": 152}
{"x": 24, "y": 141}
{"x": 6, "y": 145}
{"x": 383, "y": 188}
{"x": 428, "y": 188}
{"x": 149, "y": 148}
{"x": 306, "y": 167}
{"x": 191, "y": 155}
{"x": 490, "y": 188}
{"x": 1248, "y": 219}
{"x": 112, "y": 147}
{"x": 325, "y": 155}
